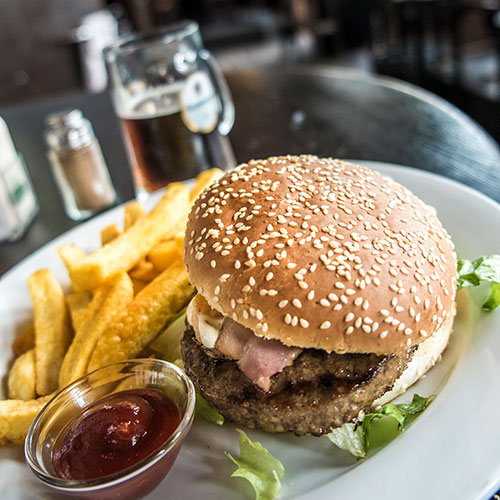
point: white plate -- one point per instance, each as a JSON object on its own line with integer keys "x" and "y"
{"x": 451, "y": 451}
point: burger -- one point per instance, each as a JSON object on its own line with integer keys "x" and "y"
{"x": 323, "y": 289}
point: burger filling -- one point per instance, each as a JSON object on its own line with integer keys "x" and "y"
{"x": 257, "y": 357}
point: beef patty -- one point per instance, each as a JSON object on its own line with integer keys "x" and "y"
{"x": 318, "y": 392}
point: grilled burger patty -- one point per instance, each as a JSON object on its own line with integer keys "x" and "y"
{"x": 319, "y": 391}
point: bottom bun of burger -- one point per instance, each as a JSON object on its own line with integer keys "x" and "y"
{"x": 318, "y": 392}
{"x": 426, "y": 356}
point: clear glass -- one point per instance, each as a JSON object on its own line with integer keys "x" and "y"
{"x": 173, "y": 104}
{"x": 137, "y": 480}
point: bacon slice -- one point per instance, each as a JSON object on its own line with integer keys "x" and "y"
{"x": 258, "y": 358}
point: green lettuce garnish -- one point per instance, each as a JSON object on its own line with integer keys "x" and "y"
{"x": 259, "y": 467}
{"x": 356, "y": 437}
{"x": 483, "y": 270}
{"x": 205, "y": 410}
{"x": 349, "y": 437}
{"x": 168, "y": 342}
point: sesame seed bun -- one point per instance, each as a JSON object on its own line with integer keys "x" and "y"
{"x": 321, "y": 253}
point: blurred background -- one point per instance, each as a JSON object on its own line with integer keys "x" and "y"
{"x": 451, "y": 47}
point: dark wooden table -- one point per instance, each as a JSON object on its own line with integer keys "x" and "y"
{"x": 316, "y": 110}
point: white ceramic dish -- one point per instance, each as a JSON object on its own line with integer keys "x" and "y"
{"x": 451, "y": 451}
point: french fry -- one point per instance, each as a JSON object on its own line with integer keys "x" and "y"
{"x": 52, "y": 329}
{"x": 16, "y": 417}
{"x": 109, "y": 233}
{"x": 203, "y": 180}
{"x": 138, "y": 285}
{"x": 109, "y": 299}
{"x": 143, "y": 318}
{"x": 144, "y": 271}
{"x": 25, "y": 341}
{"x": 71, "y": 255}
{"x": 129, "y": 248}
{"x": 21, "y": 380}
{"x": 77, "y": 303}
{"x": 165, "y": 253}
{"x": 134, "y": 211}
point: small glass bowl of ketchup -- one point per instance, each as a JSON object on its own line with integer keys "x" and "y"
{"x": 114, "y": 433}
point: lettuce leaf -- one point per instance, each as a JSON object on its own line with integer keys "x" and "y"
{"x": 483, "y": 270}
{"x": 259, "y": 467}
{"x": 349, "y": 437}
{"x": 205, "y": 410}
{"x": 168, "y": 342}
{"x": 356, "y": 437}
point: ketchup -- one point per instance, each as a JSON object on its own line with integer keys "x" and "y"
{"x": 115, "y": 433}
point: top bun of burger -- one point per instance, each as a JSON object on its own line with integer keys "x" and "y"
{"x": 321, "y": 253}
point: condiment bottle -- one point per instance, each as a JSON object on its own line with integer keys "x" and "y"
{"x": 77, "y": 164}
{"x": 18, "y": 203}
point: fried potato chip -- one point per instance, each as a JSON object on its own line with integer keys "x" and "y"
{"x": 134, "y": 211}
{"x": 52, "y": 329}
{"x": 144, "y": 271}
{"x": 138, "y": 285}
{"x": 16, "y": 417}
{"x": 109, "y": 233}
{"x": 71, "y": 255}
{"x": 77, "y": 303}
{"x": 203, "y": 180}
{"x": 109, "y": 299}
{"x": 144, "y": 317}
{"x": 21, "y": 380}
{"x": 165, "y": 253}
{"x": 25, "y": 341}
{"x": 129, "y": 248}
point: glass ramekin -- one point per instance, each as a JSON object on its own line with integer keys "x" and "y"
{"x": 137, "y": 480}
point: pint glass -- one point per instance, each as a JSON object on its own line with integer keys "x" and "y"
{"x": 173, "y": 104}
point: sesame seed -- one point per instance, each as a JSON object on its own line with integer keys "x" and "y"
{"x": 213, "y": 264}
{"x": 383, "y": 334}
{"x": 366, "y": 328}
{"x": 349, "y": 317}
{"x": 325, "y": 325}
{"x": 282, "y": 303}
{"x": 304, "y": 323}
{"x": 297, "y": 303}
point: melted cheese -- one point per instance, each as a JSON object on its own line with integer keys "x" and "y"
{"x": 205, "y": 322}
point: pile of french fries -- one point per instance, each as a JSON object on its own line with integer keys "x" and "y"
{"x": 122, "y": 296}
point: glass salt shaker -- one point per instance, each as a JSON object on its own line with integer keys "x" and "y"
{"x": 18, "y": 203}
{"x": 77, "y": 164}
